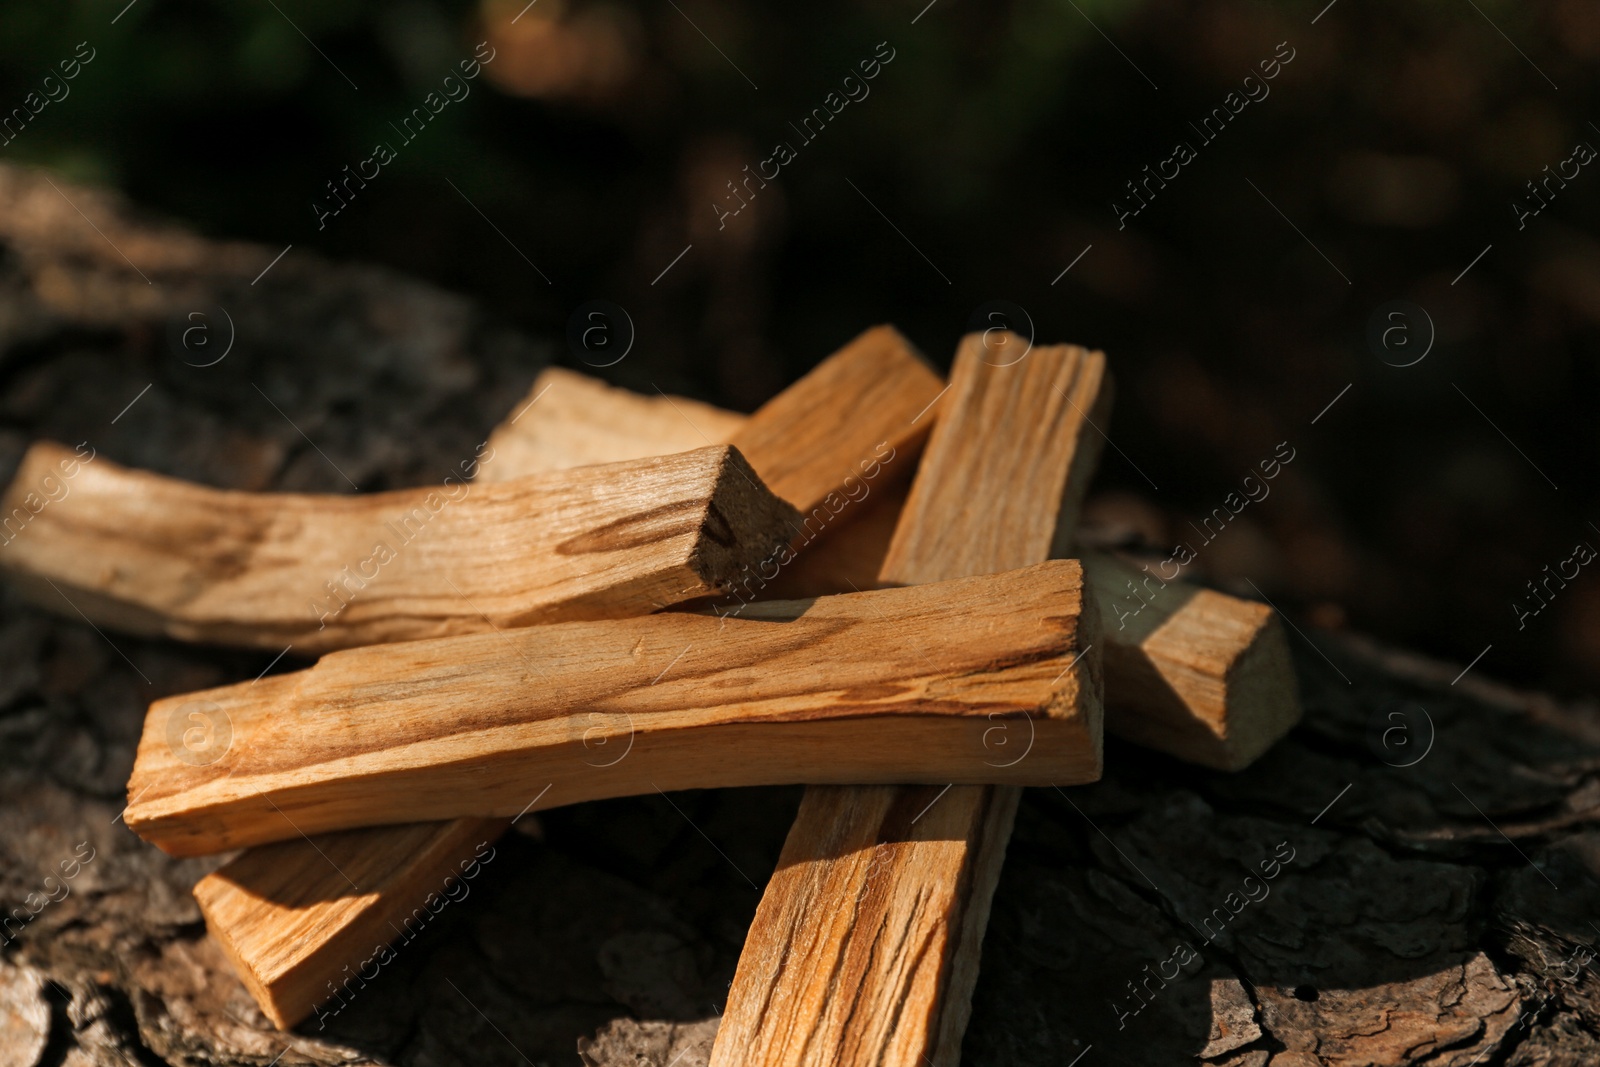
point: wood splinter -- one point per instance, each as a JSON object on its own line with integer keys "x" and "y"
{"x": 866, "y": 687}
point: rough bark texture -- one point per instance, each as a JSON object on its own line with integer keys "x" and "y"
{"x": 1406, "y": 928}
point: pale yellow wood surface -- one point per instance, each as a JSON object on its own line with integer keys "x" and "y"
{"x": 1212, "y": 687}
{"x": 297, "y": 931}
{"x": 834, "y": 968}
{"x": 865, "y": 946}
{"x": 572, "y": 420}
{"x": 156, "y": 555}
{"x": 862, "y": 687}
{"x": 866, "y": 410}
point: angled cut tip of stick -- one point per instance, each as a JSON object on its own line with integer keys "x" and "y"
{"x": 1198, "y": 674}
{"x": 298, "y": 934}
{"x": 155, "y": 555}
{"x": 869, "y": 687}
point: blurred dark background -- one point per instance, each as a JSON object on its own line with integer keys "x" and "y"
{"x": 593, "y": 147}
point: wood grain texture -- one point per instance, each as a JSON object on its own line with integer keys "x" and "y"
{"x": 862, "y": 687}
{"x": 155, "y": 555}
{"x": 876, "y": 391}
{"x": 1006, "y": 471}
{"x": 296, "y": 932}
{"x": 1191, "y": 672}
{"x": 867, "y": 407}
{"x": 841, "y": 445}
{"x": 865, "y": 947}
{"x": 847, "y": 558}
{"x": 569, "y": 419}
{"x": 865, "y": 902}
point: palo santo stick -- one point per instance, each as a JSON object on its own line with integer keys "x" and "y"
{"x": 156, "y": 555}
{"x": 839, "y": 444}
{"x": 873, "y": 398}
{"x": 298, "y": 933}
{"x": 873, "y": 686}
{"x": 571, "y": 420}
{"x": 848, "y": 559}
{"x": 864, "y": 949}
{"x": 868, "y": 406}
{"x": 1198, "y": 674}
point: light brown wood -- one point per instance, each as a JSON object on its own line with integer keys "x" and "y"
{"x": 1219, "y": 706}
{"x": 1005, "y": 475}
{"x": 857, "y": 419}
{"x": 572, "y": 420}
{"x": 156, "y": 555}
{"x": 841, "y": 445}
{"x": 848, "y": 557}
{"x": 1198, "y": 674}
{"x": 874, "y": 686}
{"x": 865, "y": 409}
{"x": 865, "y": 947}
{"x": 874, "y": 882}
{"x": 874, "y": 397}
{"x": 302, "y": 934}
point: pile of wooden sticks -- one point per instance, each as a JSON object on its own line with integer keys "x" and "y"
{"x": 869, "y": 587}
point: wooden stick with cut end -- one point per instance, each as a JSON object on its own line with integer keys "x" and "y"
{"x": 873, "y": 686}
{"x": 874, "y": 397}
{"x": 155, "y": 555}
{"x": 572, "y": 420}
{"x": 1198, "y": 674}
{"x": 865, "y": 409}
{"x": 864, "y": 949}
{"x": 298, "y": 932}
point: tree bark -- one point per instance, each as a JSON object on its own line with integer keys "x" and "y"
{"x": 1432, "y": 912}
